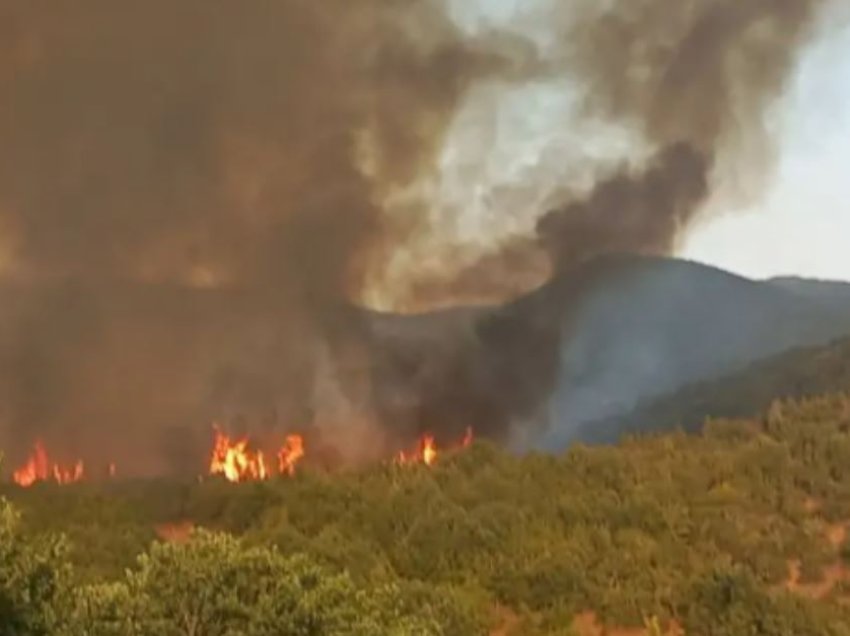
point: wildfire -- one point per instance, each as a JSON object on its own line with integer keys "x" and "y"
{"x": 426, "y": 450}
{"x": 233, "y": 459}
{"x": 236, "y": 462}
{"x": 68, "y": 475}
{"x": 289, "y": 454}
{"x": 39, "y": 468}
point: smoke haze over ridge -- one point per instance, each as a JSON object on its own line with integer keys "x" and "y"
{"x": 192, "y": 194}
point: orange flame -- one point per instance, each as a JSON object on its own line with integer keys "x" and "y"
{"x": 236, "y": 462}
{"x": 429, "y": 450}
{"x": 38, "y": 468}
{"x": 426, "y": 451}
{"x": 34, "y": 470}
{"x": 289, "y": 454}
{"x": 68, "y": 475}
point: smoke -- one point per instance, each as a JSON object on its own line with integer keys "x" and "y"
{"x": 626, "y": 213}
{"x": 690, "y": 87}
{"x": 192, "y": 195}
{"x": 156, "y": 158}
{"x": 670, "y": 106}
{"x": 696, "y": 80}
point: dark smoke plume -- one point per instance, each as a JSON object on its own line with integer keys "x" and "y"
{"x": 193, "y": 193}
{"x": 693, "y": 82}
{"x": 190, "y": 191}
{"x": 627, "y": 213}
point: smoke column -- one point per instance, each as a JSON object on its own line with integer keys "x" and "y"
{"x": 193, "y": 194}
{"x": 669, "y": 103}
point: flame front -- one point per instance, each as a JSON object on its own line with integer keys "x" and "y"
{"x": 38, "y": 468}
{"x": 233, "y": 460}
{"x": 236, "y": 462}
{"x": 426, "y": 451}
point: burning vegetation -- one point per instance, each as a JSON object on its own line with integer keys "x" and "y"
{"x": 235, "y": 460}
{"x": 39, "y": 468}
{"x": 427, "y": 452}
{"x": 248, "y": 200}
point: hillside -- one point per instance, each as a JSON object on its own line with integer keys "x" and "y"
{"x": 798, "y": 373}
{"x": 742, "y": 530}
{"x": 167, "y": 361}
{"x": 591, "y": 345}
{"x": 820, "y": 291}
{"x": 656, "y": 325}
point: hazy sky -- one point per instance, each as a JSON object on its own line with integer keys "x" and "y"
{"x": 797, "y": 224}
{"x": 801, "y": 225}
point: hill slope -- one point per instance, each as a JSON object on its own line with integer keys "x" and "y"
{"x": 741, "y": 530}
{"x": 590, "y": 345}
{"x": 165, "y": 362}
{"x": 795, "y": 374}
{"x": 650, "y": 326}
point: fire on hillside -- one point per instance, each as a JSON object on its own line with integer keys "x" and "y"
{"x": 235, "y": 460}
{"x": 427, "y": 452}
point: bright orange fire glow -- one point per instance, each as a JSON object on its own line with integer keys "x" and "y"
{"x": 289, "y": 454}
{"x": 232, "y": 459}
{"x": 38, "y": 468}
{"x": 235, "y": 461}
{"x": 426, "y": 451}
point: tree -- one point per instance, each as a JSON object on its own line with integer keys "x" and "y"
{"x": 730, "y": 603}
{"x": 32, "y": 573}
{"x": 214, "y": 586}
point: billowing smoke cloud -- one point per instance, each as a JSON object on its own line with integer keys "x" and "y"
{"x": 696, "y": 79}
{"x": 188, "y": 194}
{"x": 630, "y": 213}
{"x": 191, "y": 194}
{"x": 691, "y": 83}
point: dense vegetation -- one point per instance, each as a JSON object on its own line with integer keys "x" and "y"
{"x": 738, "y": 531}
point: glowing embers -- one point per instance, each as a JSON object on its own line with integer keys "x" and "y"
{"x": 237, "y": 462}
{"x": 426, "y": 451}
{"x": 39, "y": 468}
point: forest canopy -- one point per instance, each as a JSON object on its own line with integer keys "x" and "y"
{"x": 742, "y": 529}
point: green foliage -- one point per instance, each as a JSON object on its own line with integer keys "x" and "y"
{"x": 214, "y": 586}
{"x": 31, "y": 576}
{"x": 730, "y": 603}
{"x": 701, "y": 529}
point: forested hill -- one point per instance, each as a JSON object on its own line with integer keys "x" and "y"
{"x": 741, "y": 530}
{"x": 824, "y": 292}
{"x": 647, "y": 327}
{"x": 809, "y": 371}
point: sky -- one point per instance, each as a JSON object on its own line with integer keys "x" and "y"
{"x": 801, "y": 223}
{"x": 796, "y": 223}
